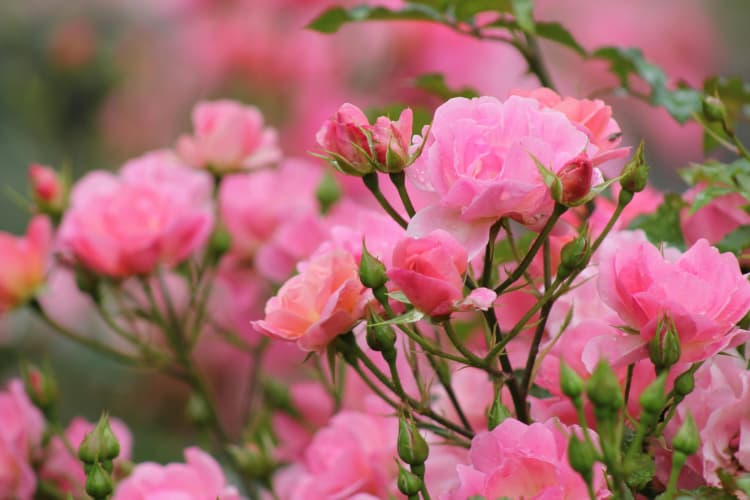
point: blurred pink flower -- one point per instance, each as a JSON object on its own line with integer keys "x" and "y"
{"x": 523, "y": 461}
{"x": 429, "y": 271}
{"x": 65, "y": 470}
{"x": 157, "y": 211}
{"x": 324, "y": 300}
{"x": 714, "y": 221}
{"x": 702, "y": 291}
{"x": 46, "y": 186}
{"x": 20, "y": 436}
{"x": 23, "y": 263}
{"x": 200, "y": 478}
{"x": 229, "y": 137}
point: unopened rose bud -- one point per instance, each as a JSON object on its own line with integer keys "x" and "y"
{"x": 49, "y": 189}
{"x": 98, "y": 482}
{"x": 664, "y": 349}
{"x": 635, "y": 174}
{"x": 409, "y": 484}
{"x": 498, "y": 413}
{"x": 40, "y": 386}
{"x": 603, "y": 389}
{"x": 328, "y": 192}
{"x": 581, "y": 457}
{"x": 574, "y": 255}
{"x": 713, "y": 109}
{"x": 345, "y": 139}
{"x": 252, "y": 460}
{"x": 570, "y": 383}
{"x": 412, "y": 447}
{"x": 652, "y": 398}
{"x": 687, "y": 439}
{"x": 380, "y": 338}
{"x": 100, "y": 444}
{"x": 575, "y": 178}
{"x": 684, "y": 384}
{"x": 371, "y": 270}
{"x": 391, "y": 141}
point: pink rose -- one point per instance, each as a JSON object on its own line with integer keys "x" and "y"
{"x": 157, "y": 211}
{"x": 324, "y": 300}
{"x": 576, "y": 178}
{"x": 702, "y": 291}
{"x": 353, "y": 454}
{"x": 392, "y": 140}
{"x": 430, "y": 272}
{"x": 593, "y": 117}
{"x": 479, "y": 158}
{"x": 200, "y": 478}
{"x": 23, "y": 263}
{"x": 20, "y": 435}
{"x": 65, "y": 470}
{"x": 523, "y": 461}
{"x": 228, "y": 137}
{"x": 714, "y": 221}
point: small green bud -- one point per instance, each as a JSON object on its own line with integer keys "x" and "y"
{"x": 108, "y": 466}
{"x": 687, "y": 439}
{"x": 98, "y": 483}
{"x": 574, "y": 255}
{"x": 328, "y": 192}
{"x": 408, "y": 483}
{"x": 197, "y": 410}
{"x": 371, "y": 270}
{"x": 412, "y": 448}
{"x": 99, "y": 444}
{"x": 380, "y": 338}
{"x": 581, "y": 457}
{"x": 652, "y": 398}
{"x": 498, "y": 413}
{"x": 684, "y": 384}
{"x": 252, "y": 461}
{"x": 713, "y": 109}
{"x": 603, "y": 389}
{"x": 664, "y": 348}
{"x": 635, "y": 174}
{"x": 570, "y": 383}
{"x": 41, "y": 387}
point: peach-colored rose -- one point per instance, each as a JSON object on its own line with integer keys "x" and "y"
{"x": 23, "y": 263}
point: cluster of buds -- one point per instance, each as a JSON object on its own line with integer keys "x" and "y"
{"x": 97, "y": 452}
{"x": 412, "y": 450}
{"x": 355, "y": 147}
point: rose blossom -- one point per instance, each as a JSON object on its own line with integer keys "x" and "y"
{"x": 480, "y": 159}
{"x": 523, "y": 461}
{"x": 714, "y": 221}
{"x": 228, "y": 137}
{"x": 20, "y": 433}
{"x": 392, "y": 139}
{"x": 702, "y": 291}
{"x": 64, "y": 470}
{"x": 157, "y": 211}
{"x": 200, "y": 478}
{"x": 23, "y": 263}
{"x": 593, "y": 117}
{"x": 324, "y": 300}
{"x": 47, "y": 187}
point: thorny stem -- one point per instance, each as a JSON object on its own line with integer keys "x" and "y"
{"x": 372, "y": 183}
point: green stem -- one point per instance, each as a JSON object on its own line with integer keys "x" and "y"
{"x": 533, "y": 56}
{"x": 446, "y": 383}
{"x": 399, "y": 180}
{"x": 473, "y": 358}
{"x": 372, "y": 183}
{"x": 489, "y": 254}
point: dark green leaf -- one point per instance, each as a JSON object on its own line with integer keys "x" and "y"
{"x": 736, "y": 241}
{"x": 557, "y": 33}
{"x": 663, "y": 226}
{"x": 705, "y": 493}
{"x": 524, "y": 12}
{"x": 331, "y": 20}
{"x": 465, "y": 10}
{"x": 434, "y": 83}
{"x": 706, "y": 196}
{"x": 734, "y": 94}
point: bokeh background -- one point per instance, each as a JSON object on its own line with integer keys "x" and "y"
{"x": 89, "y": 83}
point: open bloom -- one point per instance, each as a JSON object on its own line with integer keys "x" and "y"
{"x": 516, "y": 460}
{"x": 20, "y": 433}
{"x": 23, "y": 262}
{"x": 228, "y": 137}
{"x": 702, "y": 291}
{"x": 157, "y": 211}
{"x": 430, "y": 272}
{"x": 200, "y": 478}
{"x": 480, "y": 159}
{"x": 324, "y": 300}
{"x": 64, "y": 470}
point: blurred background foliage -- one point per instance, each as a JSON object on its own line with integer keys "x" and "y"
{"x": 89, "y": 83}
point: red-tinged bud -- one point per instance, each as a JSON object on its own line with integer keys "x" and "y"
{"x": 576, "y": 178}
{"x": 391, "y": 140}
{"x": 345, "y": 139}
{"x": 49, "y": 189}
{"x": 40, "y": 386}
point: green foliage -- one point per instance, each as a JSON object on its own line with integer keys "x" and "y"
{"x": 663, "y": 226}
{"x": 524, "y": 12}
{"x": 736, "y": 241}
{"x": 332, "y": 19}
{"x": 434, "y": 83}
{"x": 705, "y": 493}
{"x": 556, "y": 32}
{"x": 721, "y": 178}
{"x": 681, "y": 103}
{"x": 735, "y": 97}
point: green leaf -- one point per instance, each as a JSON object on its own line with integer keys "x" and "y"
{"x": 399, "y": 296}
{"x": 663, "y": 226}
{"x": 524, "y": 12}
{"x": 736, "y": 241}
{"x": 707, "y": 195}
{"x": 639, "y": 471}
{"x": 434, "y": 83}
{"x": 465, "y": 10}
{"x": 409, "y": 317}
{"x": 557, "y": 33}
{"x": 332, "y": 19}
{"x": 705, "y": 493}
{"x": 736, "y": 173}
{"x": 681, "y": 103}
